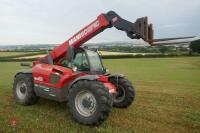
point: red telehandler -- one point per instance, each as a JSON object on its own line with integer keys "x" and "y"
{"x": 76, "y": 74}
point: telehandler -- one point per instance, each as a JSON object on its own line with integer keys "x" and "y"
{"x": 76, "y": 74}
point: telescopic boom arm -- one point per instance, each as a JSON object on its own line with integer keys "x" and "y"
{"x": 103, "y": 21}
{"x": 139, "y": 29}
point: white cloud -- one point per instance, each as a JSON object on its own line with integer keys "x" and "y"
{"x": 50, "y": 21}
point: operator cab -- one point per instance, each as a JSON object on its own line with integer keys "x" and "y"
{"x": 85, "y": 60}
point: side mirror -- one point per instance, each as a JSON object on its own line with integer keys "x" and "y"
{"x": 70, "y": 53}
{"x": 106, "y": 70}
{"x": 74, "y": 69}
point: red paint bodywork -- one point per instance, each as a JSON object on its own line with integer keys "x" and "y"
{"x": 41, "y": 72}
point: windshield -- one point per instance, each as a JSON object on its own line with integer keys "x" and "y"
{"x": 95, "y": 61}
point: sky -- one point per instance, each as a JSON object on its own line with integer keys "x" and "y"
{"x": 54, "y": 21}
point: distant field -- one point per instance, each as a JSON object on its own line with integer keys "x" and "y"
{"x": 167, "y": 100}
{"x": 101, "y": 52}
{"x": 122, "y": 53}
{"x": 19, "y": 55}
{"x": 4, "y": 54}
{"x": 26, "y": 55}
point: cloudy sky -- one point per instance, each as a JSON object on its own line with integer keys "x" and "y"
{"x": 54, "y": 21}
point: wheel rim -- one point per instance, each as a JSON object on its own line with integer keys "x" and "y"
{"x": 120, "y": 94}
{"x": 21, "y": 89}
{"x": 85, "y": 103}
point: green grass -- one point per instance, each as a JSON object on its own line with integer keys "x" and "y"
{"x": 167, "y": 100}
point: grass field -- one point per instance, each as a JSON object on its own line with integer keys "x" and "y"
{"x": 167, "y": 100}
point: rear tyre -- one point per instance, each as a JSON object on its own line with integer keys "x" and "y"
{"x": 23, "y": 90}
{"x": 89, "y": 102}
{"x": 125, "y": 92}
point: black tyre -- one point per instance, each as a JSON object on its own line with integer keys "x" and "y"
{"x": 125, "y": 92}
{"x": 89, "y": 102}
{"x": 23, "y": 89}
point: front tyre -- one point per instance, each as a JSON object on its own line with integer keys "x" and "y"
{"x": 125, "y": 92}
{"x": 23, "y": 89}
{"x": 89, "y": 102}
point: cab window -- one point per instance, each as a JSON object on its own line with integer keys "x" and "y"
{"x": 81, "y": 62}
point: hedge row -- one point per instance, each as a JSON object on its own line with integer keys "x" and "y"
{"x": 146, "y": 56}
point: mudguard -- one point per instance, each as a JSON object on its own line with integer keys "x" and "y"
{"x": 115, "y": 76}
{"x": 85, "y": 77}
{"x": 106, "y": 82}
{"x": 93, "y": 77}
{"x": 24, "y": 71}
